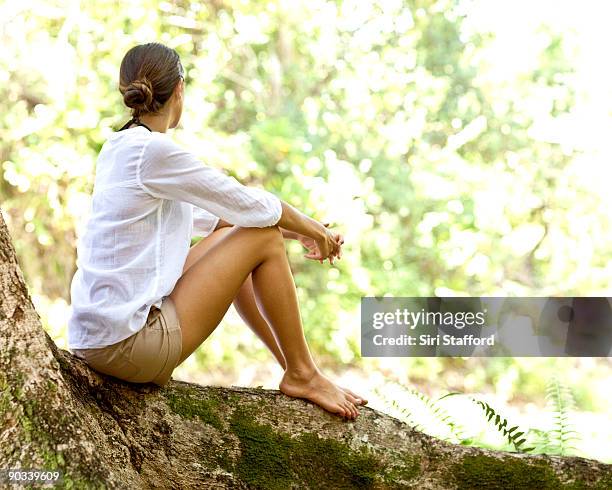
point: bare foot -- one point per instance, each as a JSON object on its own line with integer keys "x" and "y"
{"x": 321, "y": 390}
{"x": 354, "y": 397}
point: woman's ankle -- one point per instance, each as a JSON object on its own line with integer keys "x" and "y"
{"x": 301, "y": 373}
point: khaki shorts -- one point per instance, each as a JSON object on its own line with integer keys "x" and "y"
{"x": 149, "y": 355}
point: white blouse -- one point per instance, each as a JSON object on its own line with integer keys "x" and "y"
{"x": 150, "y": 198}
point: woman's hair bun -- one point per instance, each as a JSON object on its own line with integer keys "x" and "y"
{"x": 148, "y": 76}
{"x": 139, "y": 95}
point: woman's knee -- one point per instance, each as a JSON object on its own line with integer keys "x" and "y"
{"x": 270, "y": 235}
{"x": 275, "y": 237}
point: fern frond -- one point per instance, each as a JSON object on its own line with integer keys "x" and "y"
{"x": 432, "y": 408}
{"x": 560, "y": 402}
{"x": 512, "y": 434}
{"x": 514, "y": 437}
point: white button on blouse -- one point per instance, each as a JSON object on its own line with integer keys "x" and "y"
{"x": 150, "y": 198}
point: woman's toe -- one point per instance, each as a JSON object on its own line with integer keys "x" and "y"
{"x": 351, "y": 409}
{"x": 360, "y": 400}
{"x": 352, "y": 399}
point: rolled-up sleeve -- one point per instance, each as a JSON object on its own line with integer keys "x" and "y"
{"x": 167, "y": 171}
{"x": 204, "y": 223}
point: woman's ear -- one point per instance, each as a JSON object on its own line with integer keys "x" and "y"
{"x": 181, "y": 92}
{"x": 178, "y": 102}
{"x": 178, "y": 90}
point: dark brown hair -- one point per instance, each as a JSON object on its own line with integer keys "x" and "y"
{"x": 147, "y": 76}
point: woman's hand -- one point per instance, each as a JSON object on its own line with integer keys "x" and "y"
{"x": 328, "y": 246}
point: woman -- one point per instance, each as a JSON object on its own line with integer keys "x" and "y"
{"x": 142, "y": 300}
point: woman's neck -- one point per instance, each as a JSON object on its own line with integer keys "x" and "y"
{"x": 157, "y": 122}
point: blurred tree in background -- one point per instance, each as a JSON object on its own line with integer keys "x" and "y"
{"x": 448, "y": 159}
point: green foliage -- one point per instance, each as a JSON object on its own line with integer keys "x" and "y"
{"x": 560, "y": 404}
{"x": 437, "y": 421}
{"x": 402, "y": 138}
{"x": 501, "y": 424}
{"x": 554, "y": 440}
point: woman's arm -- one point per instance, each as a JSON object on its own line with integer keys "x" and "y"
{"x": 297, "y": 223}
{"x": 326, "y": 243}
{"x": 167, "y": 171}
{"x": 310, "y": 238}
{"x": 289, "y": 235}
{"x": 293, "y": 216}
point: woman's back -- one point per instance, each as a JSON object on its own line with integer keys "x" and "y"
{"x": 132, "y": 250}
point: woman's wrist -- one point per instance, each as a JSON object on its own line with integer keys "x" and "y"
{"x": 319, "y": 230}
{"x": 297, "y": 222}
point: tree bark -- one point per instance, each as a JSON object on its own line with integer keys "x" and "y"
{"x": 101, "y": 432}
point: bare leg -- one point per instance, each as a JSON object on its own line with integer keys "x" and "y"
{"x": 244, "y": 302}
{"x": 246, "y": 306}
{"x": 203, "y": 294}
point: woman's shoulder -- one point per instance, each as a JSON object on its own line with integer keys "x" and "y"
{"x": 150, "y": 146}
{"x": 163, "y": 145}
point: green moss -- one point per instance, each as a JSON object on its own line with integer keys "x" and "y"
{"x": 273, "y": 460}
{"x": 483, "y": 472}
{"x": 605, "y": 483}
{"x": 327, "y": 463}
{"x": 232, "y": 398}
{"x": 264, "y": 459}
{"x": 5, "y": 396}
{"x": 487, "y": 472}
{"x": 51, "y": 386}
{"x": 205, "y": 410}
{"x": 410, "y": 469}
